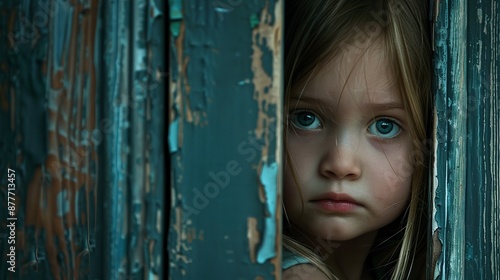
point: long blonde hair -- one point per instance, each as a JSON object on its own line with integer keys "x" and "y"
{"x": 318, "y": 30}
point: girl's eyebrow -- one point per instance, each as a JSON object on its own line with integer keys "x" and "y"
{"x": 306, "y": 99}
{"x": 295, "y": 101}
{"x": 381, "y": 106}
{"x": 376, "y": 106}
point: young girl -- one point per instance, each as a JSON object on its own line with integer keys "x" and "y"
{"x": 357, "y": 98}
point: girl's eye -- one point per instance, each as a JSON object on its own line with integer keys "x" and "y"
{"x": 305, "y": 120}
{"x": 384, "y": 128}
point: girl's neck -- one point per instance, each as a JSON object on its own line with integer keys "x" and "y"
{"x": 350, "y": 256}
{"x": 345, "y": 257}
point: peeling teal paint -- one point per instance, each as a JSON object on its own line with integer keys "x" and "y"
{"x": 466, "y": 167}
{"x": 254, "y": 21}
{"x": 172, "y": 136}
{"x": 268, "y": 178}
{"x": 175, "y": 16}
{"x": 223, "y": 146}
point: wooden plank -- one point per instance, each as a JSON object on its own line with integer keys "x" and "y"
{"x": 466, "y": 201}
{"x": 52, "y": 92}
{"x": 482, "y": 237}
{"x": 135, "y": 85}
{"x": 83, "y": 110}
{"x": 225, "y": 139}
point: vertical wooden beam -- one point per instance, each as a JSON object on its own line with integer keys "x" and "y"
{"x": 225, "y": 139}
{"x": 82, "y": 123}
{"x": 482, "y": 221}
{"x": 135, "y": 83}
{"x": 466, "y": 202}
{"x": 52, "y": 88}
{"x": 450, "y": 149}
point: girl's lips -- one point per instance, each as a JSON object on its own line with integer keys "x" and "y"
{"x": 338, "y": 206}
{"x": 335, "y": 202}
{"x": 335, "y": 197}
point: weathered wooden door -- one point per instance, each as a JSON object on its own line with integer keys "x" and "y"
{"x": 466, "y": 180}
{"x": 225, "y": 139}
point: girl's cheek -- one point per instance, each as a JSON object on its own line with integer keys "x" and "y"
{"x": 394, "y": 178}
{"x": 401, "y": 164}
{"x": 399, "y": 173}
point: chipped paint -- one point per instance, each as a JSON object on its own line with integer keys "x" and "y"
{"x": 172, "y": 136}
{"x": 181, "y": 89}
{"x": 267, "y": 40}
{"x": 253, "y": 237}
{"x": 181, "y": 85}
{"x": 452, "y": 199}
{"x": 436, "y": 206}
{"x": 465, "y": 229}
{"x": 175, "y": 16}
{"x": 222, "y": 150}
{"x": 266, "y": 37}
{"x": 269, "y": 178}
{"x": 181, "y": 244}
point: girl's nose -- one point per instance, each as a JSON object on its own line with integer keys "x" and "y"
{"x": 341, "y": 159}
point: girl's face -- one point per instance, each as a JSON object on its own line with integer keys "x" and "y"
{"x": 349, "y": 146}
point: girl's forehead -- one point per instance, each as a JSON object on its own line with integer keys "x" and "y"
{"x": 369, "y": 63}
{"x": 354, "y": 71}
{"x": 359, "y": 68}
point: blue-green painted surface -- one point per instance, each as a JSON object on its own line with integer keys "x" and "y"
{"x": 225, "y": 92}
{"x": 466, "y": 202}
{"x": 82, "y": 121}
